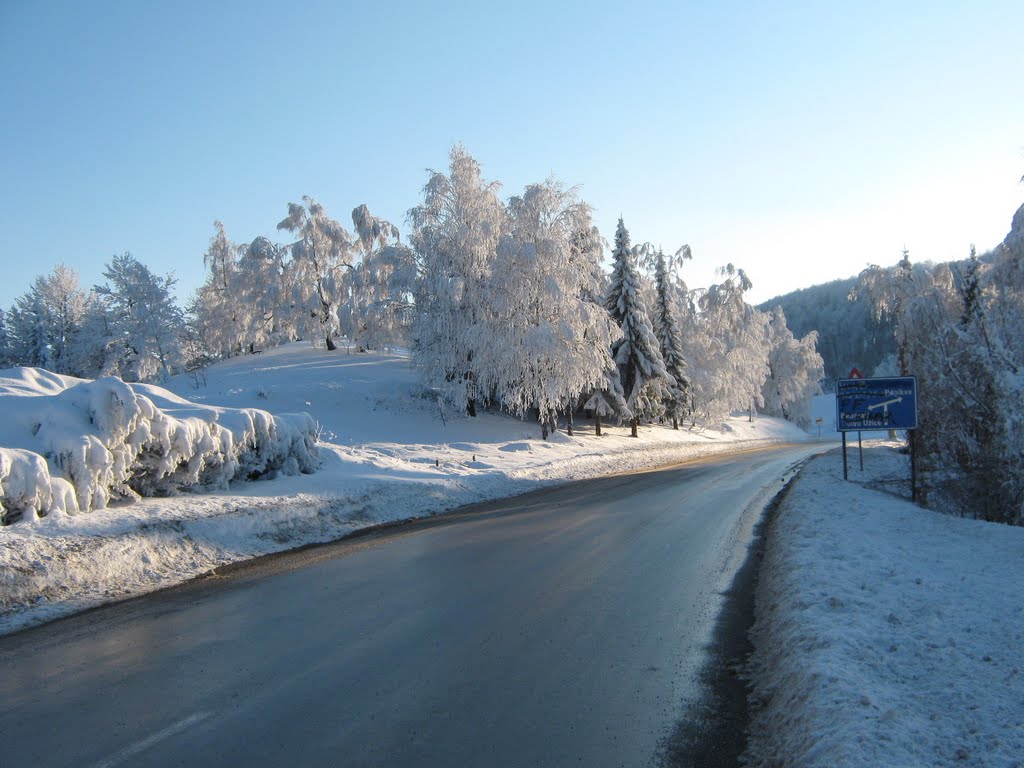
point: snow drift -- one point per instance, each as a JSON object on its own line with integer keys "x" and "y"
{"x": 89, "y": 443}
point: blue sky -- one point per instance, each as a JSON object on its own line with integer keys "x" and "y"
{"x": 798, "y": 141}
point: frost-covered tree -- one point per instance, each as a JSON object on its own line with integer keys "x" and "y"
{"x": 456, "y": 230}
{"x": 548, "y": 343}
{"x": 794, "y": 371}
{"x": 46, "y": 323}
{"x": 64, "y": 305}
{"x": 889, "y": 290}
{"x": 319, "y": 259}
{"x": 666, "y": 328}
{"x": 728, "y": 347}
{"x": 377, "y": 309}
{"x": 637, "y": 353}
{"x": 145, "y": 320}
{"x": 261, "y": 280}
{"x": 31, "y": 331}
{"x": 6, "y": 361}
{"x": 99, "y": 349}
{"x": 218, "y": 308}
{"x": 960, "y": 330}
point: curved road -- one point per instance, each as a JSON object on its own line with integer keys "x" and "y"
{"x": 564, "y": 627}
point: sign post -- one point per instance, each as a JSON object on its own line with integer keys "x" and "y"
{"x": 875, "y": 404}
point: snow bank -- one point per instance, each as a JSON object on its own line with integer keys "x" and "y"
{"x": 886, "y": 634}
{"x": 73, "y": 445}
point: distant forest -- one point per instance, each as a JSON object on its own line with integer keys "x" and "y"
{"x": 849, "y": 336}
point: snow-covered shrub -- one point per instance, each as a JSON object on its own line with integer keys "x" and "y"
{"x": 77, "y": 445}
{"x": 24, "y": 484}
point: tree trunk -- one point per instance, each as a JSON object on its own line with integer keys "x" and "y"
{"x": 544, "y": 429}
{"x": 635, "y": 423}
{"x": 569, "y": 423}
{"x": 597, "y": 423}
{"x": 675, "y": 423}
{"x": 471, "y": 407}
{"x": 330, "y": 344}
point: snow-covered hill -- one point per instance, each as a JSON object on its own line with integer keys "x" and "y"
{"x": 388, "y": 451}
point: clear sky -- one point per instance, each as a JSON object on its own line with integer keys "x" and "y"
{"x": 800, "y": 141}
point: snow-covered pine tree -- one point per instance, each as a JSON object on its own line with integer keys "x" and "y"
{"x": 455, "y": 237}
{"x": 31, "y": 330}
{"x": 5, "y": 342}
{"x": 607, "y": 400}
{"x": 641, "y": 368}
{"x": 666, "y": 328}
{"x": 320, "y": 258}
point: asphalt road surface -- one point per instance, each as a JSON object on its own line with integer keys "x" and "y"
{"x": 565, "y": 627}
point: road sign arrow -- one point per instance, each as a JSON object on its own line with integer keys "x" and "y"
{"x": 885, "y": 404}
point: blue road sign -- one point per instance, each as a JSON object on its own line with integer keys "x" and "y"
{"x": 866, "y": 404}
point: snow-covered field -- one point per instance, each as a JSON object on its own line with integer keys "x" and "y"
{"x": 387, "y": 452}
{"x": 886, "y": 635}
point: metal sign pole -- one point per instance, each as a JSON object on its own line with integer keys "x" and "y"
{"x": 860, "y": 447}
{"x": 846, "y": 473}
{"x": 913, "y": 466}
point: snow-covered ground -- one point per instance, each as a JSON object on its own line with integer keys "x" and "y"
{"x": 886, "y": 634}
{"x": 388, "y": 452}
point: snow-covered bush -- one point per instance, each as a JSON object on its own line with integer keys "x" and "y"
{"x": 76, "y": 445}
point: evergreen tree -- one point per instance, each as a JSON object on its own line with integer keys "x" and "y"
{"x": 30, "y": 326}
{"x": 641, "y": 367}
{"x": 5, "y": 342}
{"x": 144, "y": 319}
{"x": 666, "y": 328}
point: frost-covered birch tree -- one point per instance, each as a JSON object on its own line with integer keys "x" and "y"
{"x": 637, "y": 354}
{"x": 377, "y": 309}
{"x": 549, "y": 344}
{"x": 794, "y": 371}
{"x": 319, "y": 259}
{"x": 455, "y": 236}
{"x": 264, "y": 295}
{"x": 728, "y": 348}
{"x": 218, "y": 309}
